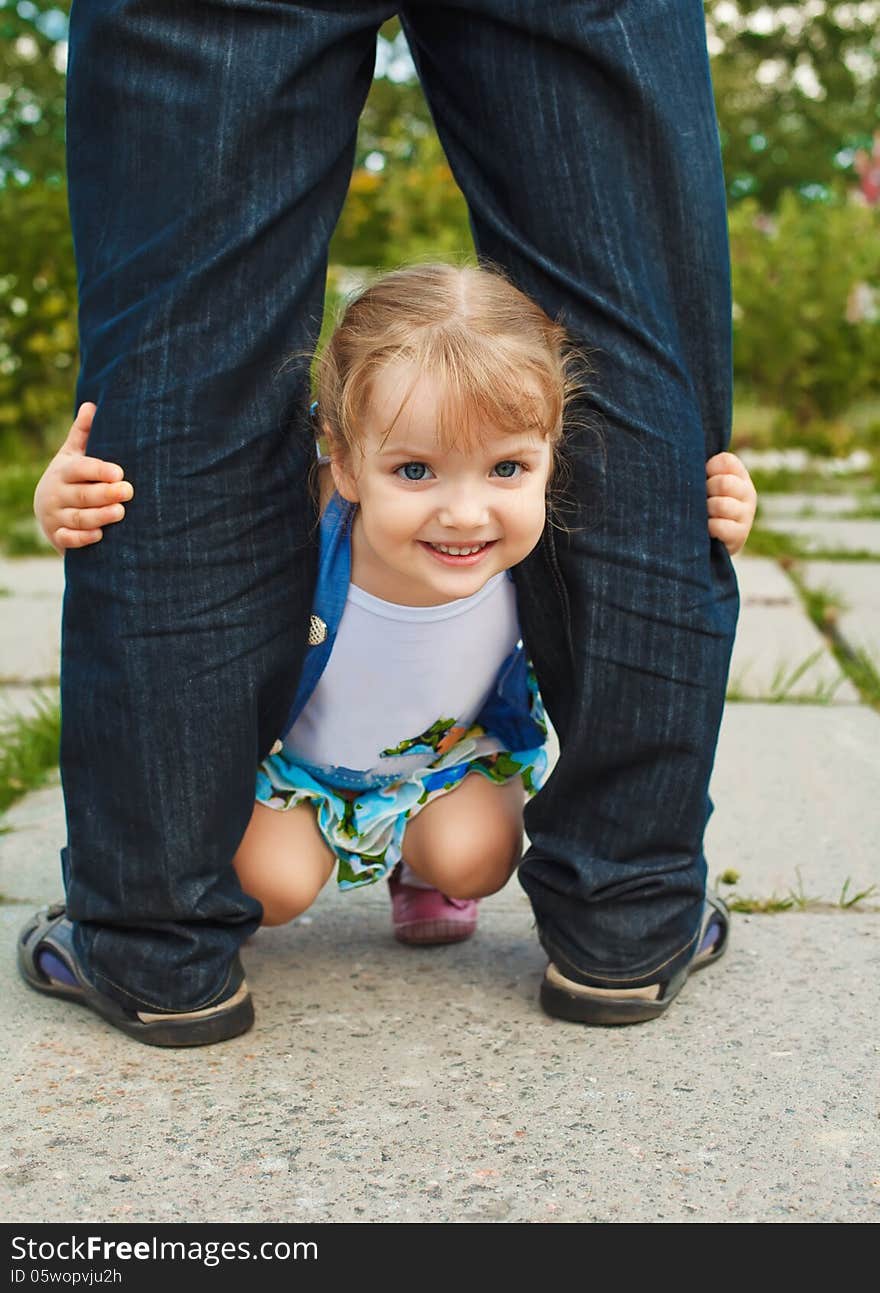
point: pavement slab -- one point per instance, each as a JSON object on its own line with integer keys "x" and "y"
{"x": 829, "y": 505}
{"x": 796, "y": 803}
{"x": 31, "y": 593}
{"x": 763, "y": 582}
{"x": 778, "y": 652}
{"x": 30, "y": 577}
{"x": 395, "y": 1085}
{"x": 857, "y": 585}
{"x": 818, "y": 534}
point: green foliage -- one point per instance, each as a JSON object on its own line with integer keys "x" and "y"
{"x": 806, "y": 286}
{"x": 403, "y": 203}
{"x": 32, "y": 91}
{"x": 797, "y": 89}
{"x": 38, "y": 336}
{"x": 38, "y": 339}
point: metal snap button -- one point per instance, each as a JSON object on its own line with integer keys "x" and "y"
{"x": 317, "y": 631}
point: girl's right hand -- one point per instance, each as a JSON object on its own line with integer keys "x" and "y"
{"x": 77, "y": 495}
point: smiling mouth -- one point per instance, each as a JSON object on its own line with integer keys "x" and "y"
{"x": 460, "y": 550}
{"x": 459, "y": 554}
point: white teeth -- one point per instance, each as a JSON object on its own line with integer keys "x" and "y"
{"x": 458, "y": 552}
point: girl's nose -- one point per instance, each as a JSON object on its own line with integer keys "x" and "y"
{"x": 464, "y": 510}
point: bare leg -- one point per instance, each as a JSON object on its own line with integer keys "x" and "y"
{"x": 283, "y": 861}
{"x": 468, "y": 842}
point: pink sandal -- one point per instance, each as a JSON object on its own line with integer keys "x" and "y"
{"x": 427, "y": 916}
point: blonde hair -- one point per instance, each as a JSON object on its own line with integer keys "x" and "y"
{"x": 500, "y": 362}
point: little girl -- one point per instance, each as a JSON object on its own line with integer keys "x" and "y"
{"x": 418, "y": 730}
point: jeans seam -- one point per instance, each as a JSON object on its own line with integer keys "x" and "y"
{"x": 562, "y": 592}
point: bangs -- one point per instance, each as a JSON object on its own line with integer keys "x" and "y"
{"x": 484, "y": 391}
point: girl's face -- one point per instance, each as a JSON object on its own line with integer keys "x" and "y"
{"x": 433, "y": 526}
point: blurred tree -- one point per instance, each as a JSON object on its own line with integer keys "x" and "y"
{"x": 403, "y": 203}
{"x": 806, "y": 289}
{"x": 38, "y": 342}
{"x": 798, "y": 92}
{"x": 33, "y": 55}
{"x": 38, "y": 339}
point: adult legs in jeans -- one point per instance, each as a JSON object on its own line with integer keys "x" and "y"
{"x": 585, "y": 140}
{"x": 209, "y": 149}
{"x": 209, "y": 154}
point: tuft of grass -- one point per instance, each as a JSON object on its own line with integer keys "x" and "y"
{"x": 863, "y": 672}
{"x": 784, "y": 679}
{"x": 796, "y": 899}
{"x": 839, "y": 554}
{"x": 799, "y": 898}
{"x": 824, "y": 606}
{"x": 762, "y": 906}
{"x": 29, "y": 750}
{"x": 847, "y": 900}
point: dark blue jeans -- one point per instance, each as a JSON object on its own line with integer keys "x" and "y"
{"x": 209, "y": 149}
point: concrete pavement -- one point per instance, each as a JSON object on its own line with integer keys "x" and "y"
{"x": 382, "y": 1083}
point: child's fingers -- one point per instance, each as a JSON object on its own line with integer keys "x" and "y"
{"x": 90, "y": 518}
{"x": 76, "y": 467}
{"x": 78, "y": 435}
{"x": 64, "y": 538}
{"x": 727, "y": 508}
{"x": 92, "y": 494}
{"x": 733, "y": 486}
{"x": 727, "y": 463}
{"x": 731, "y": 533}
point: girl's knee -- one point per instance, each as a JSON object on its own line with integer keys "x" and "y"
{"x": 281, "y": 905}
{"x": 468, "y": 843}
{"x": 474, "y": 873}
{"x": 283, "y": 862}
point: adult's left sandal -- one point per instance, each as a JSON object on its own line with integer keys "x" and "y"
{"x": 50, "y": 931}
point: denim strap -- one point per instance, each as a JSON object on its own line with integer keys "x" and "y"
{"x": 334, "y": 576}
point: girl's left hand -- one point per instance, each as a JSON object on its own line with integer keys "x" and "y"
{"x": 732, "y": 500}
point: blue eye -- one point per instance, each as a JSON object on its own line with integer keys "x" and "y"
{"x": 413, "y": 471}
{"x": 508, "y": 469}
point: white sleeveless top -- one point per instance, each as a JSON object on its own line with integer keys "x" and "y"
{"x": 401, "y": 676}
